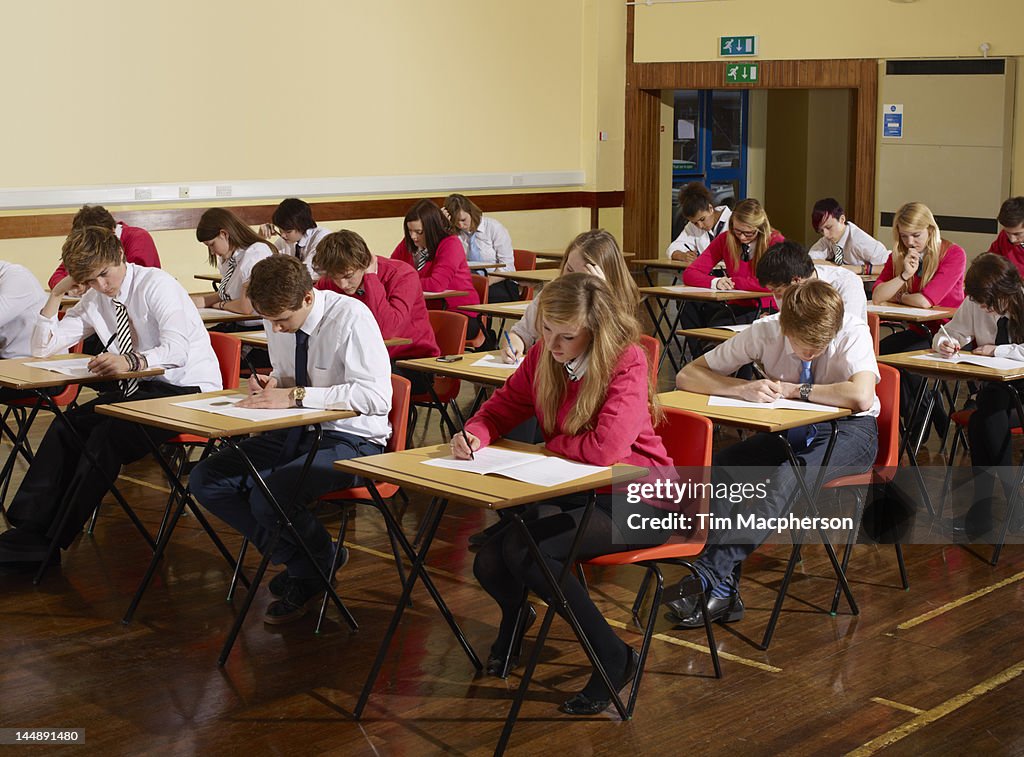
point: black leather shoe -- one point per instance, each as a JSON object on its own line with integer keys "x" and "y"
{"x": 278, "y": 585}
{"x": 583, "y": 705}
{"x": 496, "y": 662}
{"x": 720, "y": 609}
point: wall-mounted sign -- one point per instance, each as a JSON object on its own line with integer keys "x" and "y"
{"x": 892, "y": 120}
{"x": 730, "y": 47}
{"x": 741, "y": 73}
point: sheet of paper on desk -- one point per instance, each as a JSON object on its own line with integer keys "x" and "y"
{"x": 779, "y": 404}
{"x": 225, "y": 405}
{"x": 900, "y": 309}
{"x": 493, "y": 361}
{"x": 528, "y": 467}
{"x": 213, "y": 313}
{"x": 736, "y": 327}
{"x": 684, "y": 288}
{"x": 74, "y": 367}
{"x": 999, "y": 363}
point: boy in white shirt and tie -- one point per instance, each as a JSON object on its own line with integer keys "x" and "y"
{"x": 327, "y": 353}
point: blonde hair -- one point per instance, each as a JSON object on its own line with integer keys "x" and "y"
{"x": 915, "y": 216}
{"x": 599, "y": 248}
{"x": 580, "y": 300}
{"x": 749, "y": 212}
{"x": 812, "y": 311}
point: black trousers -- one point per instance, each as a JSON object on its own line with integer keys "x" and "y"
{"x": 988, "y": 432}
{"x": 60, "y": 468}
{"x": 910, "y": 384}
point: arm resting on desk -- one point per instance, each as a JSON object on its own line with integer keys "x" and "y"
{"x": 698, "y": 377}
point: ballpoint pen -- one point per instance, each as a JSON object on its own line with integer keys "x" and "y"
{"x": 462, "y": 423}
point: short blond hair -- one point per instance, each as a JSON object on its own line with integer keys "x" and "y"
{"x": 87, "y": 249}
{"x": 811, "y": 311}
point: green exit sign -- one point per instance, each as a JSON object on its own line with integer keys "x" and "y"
{"x": 741, "y": 73}
{"x": 730, "y": 47}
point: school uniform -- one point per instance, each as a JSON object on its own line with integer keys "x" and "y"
{"x": 345, "y": 367}
{"x": 491, "y": 243}
{"x": 235, "y": 271}
{"x": 21, "y": 299}
{"x": 695, "y": 239}
{"x": 849, "y": 353}
{"x": 856, "y": 247}
{"x": 1012, "y": 251}
{"x": 166, "y": 329}
{"x": 849, "y": 286}
{"x": 446, "y": 270}
{"x": 138, "y": 246}
{"x": 305, "y": 248}
{"x": 988, "y": 430}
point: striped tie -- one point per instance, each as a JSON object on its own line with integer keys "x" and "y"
{"x": 419, "y": 258}
{"x": 837, "y": 255}
{"x": 222, "y": 291}
{"x": 124, "y": 343}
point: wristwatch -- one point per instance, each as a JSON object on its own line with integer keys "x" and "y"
{"x": 298, "y": 394}
{"x": 805, "y": 392}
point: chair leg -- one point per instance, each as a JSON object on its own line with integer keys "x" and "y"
{"x": 346, "y": 511}
{"x": 902, "y": 565}
{"x": 238, "y": 569}
{"x": 582, "y": 577}
{"x": 641, "y": 594}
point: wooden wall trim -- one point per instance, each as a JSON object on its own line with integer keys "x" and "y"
{"x": 645, "y": 81}
{"x": 168, "y": 219}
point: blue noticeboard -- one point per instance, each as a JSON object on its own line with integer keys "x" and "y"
{"x": 892, "y": 121}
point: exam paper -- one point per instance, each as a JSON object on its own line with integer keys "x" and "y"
{"x": 73, "y": 367}
{"x": 899, "y": 309}
{"x": 225, "y": 405}
{"x": 779, "y": 404}
{"x": 736, "y": 327}
{"x": 528, "y": 467}
{"x": 999, "y": 363}
{"x": 493, "y": 361}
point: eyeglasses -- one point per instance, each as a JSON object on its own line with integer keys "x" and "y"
{"x": 745, "y": 233}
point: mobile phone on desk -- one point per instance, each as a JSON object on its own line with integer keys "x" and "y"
{"x": 449, "y": 358}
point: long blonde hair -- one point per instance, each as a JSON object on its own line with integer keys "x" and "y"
{"x": 915, "y": 216}
{"x": 598, "y": 247}
{"x": 580, "y": 300}
{"x": 750, "y": 212}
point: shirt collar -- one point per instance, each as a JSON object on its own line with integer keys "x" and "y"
{"x": 126, "y": 285}
{"x": 316, "y": 313}
{"x": 577, "y": 367}
{"x": 846, "y": 235}
{"x": 304, "y": 242}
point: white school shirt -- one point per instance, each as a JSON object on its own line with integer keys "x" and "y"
{"x": 245, "y": 260}
{"x": 972, "y": 323}
{"x": 696, "y": 239}
{"x": 308, "y": 243}
{"x": 859, "y": 248}
{"x": 492, "y": 243}
{"x": 348, "y": 364}
{"x": 852, "y": 351}
{"x": 21, "y": 299}
{"x": 166, "y": 328}
{"x": 526, "y": 327}
{"x": 849, "y": 286}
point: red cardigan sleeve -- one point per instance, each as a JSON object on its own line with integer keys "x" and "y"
{"x": 886, "y": 273}
{"x": 58, "y": 276}
{"x": 392, "y": 308}
{"x": 445, "y": 270}
{"x": 619, "y": 421}
{"x": 139, "y": 247}
{"x": 698, "y": 273}
{"x": 510, "y": 405}
{"x": 948, "y": 278}
{"x": 744, "y": 276}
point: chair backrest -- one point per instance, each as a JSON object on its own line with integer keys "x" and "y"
{"x": 888, "y": 391}
{"x": 687, "y": 437}
{"x": 450, "y": 332}
{"x": 228, "y": 350}
{"x": 653, "y": 348}
{"x": 401, "y": 396}
{"x": 874, "y": 325}
{"x": 480, "y": 285}
{"x": 524, "y": 260}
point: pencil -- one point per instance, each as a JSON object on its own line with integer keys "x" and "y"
{"x": 462, "y": 422}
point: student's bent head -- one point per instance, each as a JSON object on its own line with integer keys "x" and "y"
{"x": 829, "y": 219}
{"x": 697, "y": 205}
{"x": 784, "y": 264}
{"x": 93, "y": 215}
{"x": 1011, "y": 218}
{"x": 223, "y": 232}
{"x": 994, "y": 283}
{"x": 598, "y": 248}
{"x": 425, "y": 227}
{"x": 343, "y": 257}
{"x": 281, "y": 291}
{"x": 93, "y": 256}
{"x": 810, "y": 316}
{"x": 293, "y": 218}
{"x": 463, "y": 212}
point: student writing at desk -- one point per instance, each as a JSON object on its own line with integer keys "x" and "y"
{"x": 812, "y": 352}
{"x": 924, "y": 271}
{"x": 327, "y": 353}
{"x": 485, "y": 241}
{"x": 843, "y": 242}
{"x": 705, "y": 221}
{"x": 588, "y": 383}
{"x": 992, "y": 318}
{"x": 146, "y": 319}
{"x": 788, "y": 263}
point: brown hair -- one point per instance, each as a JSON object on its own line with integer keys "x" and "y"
{"x": 812, "y": 311}
{"x": 994, "y": 283}
{"x": 1011, "y": 212}
{"x": 93, "y": 215}
{"x": 278, "y": 283}
{"x": 88, "y": 249}
{"x": 240, "y": 236}
{"x": 694, "y": 199}
{"x": 341, "y": 253}
{"x": 455, "y": 204}
{"x": 582, "y": 300}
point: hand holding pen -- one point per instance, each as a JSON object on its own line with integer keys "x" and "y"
{"x": 106, "y": 362}
{"x": 948, "y": 346}
{"x": 463, "y": 445}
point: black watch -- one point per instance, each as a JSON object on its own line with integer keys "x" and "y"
{"x": 805, "y": 392}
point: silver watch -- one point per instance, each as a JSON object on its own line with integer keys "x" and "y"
{"x": 805, "y": 392}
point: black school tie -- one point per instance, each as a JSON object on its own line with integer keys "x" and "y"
{"x": 298, "y": 251}
{"x": 1003, "y": 330}
{"x": 291, "y": 442}
{"x": 745, "y": 255}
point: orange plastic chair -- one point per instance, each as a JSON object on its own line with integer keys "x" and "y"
{"x": 886, "y": 462}
{"x": 401, "y": 393}
{"x": 687, "y": 437}
{"x": 525, "y": 261}
{"x": 874, "y": 325}
{"x": 653, "y": 348}
{"x": 480, "y": 285}
{"x": 450, "y": 332}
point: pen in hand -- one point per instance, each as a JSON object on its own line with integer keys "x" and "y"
{"x": 955, "y": 344}
{"x": 252, "y": 371}
{"x": 511, "y": 349}
{"x": 462, "y": 422}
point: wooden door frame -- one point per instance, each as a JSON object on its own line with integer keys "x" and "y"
{"x": 644, "y": 85}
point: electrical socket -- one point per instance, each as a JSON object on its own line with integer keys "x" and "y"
{"x": 143, "y": 193}
{"x": 183, "y": 193}
{"x": 223, "y": 190}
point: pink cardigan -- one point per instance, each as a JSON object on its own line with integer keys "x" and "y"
{"x": 1012, "y": 252}
{"x": 622, "y": 431}
{"x": 741, "y": 272}
{"x": 447, "y": 270}
{"x": 946, "y": 288}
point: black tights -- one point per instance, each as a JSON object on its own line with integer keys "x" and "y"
{"x": 988, "y": 432}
